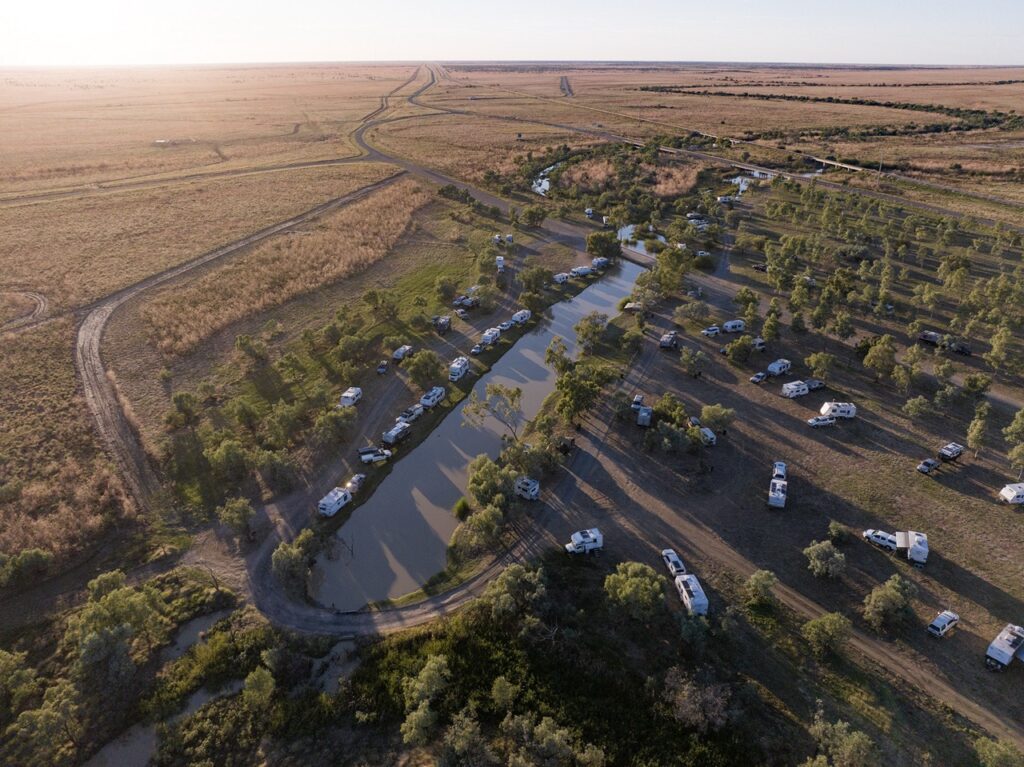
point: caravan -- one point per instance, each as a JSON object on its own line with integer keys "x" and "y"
{"x": 1012, "y": 493}
{"x": 839, "y": 409}
{"x": 779, "y": 367}
{"x": 915, "y": 545}
{"x": 458, "y": 368}
{"x": 522, "y": 316}
{"x": 1006, "y": 646}
{"x": 734, "y": 326}
{"x": 334, "y": 501}
{"x": 795, "y": 389}
{"x": 691, "y": 594}
{"x": 396, "y": 433}
{"x": 777, "y": 493}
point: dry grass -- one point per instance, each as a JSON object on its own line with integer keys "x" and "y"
{"x": 57, "y": 491}
{"x": 590, "y": 176}
{"x": 78, "y": 250}
{"x": 289, "y": 265}
{"x": 675, "y": 180}
{"x": 65, "y": 128}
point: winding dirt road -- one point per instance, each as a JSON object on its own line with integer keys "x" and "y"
{"x": 40, "y": 307}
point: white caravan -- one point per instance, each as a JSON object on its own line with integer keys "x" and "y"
{"x": 1012, "y": 493}
{"x": 839, "y": 409}
{"x": 350, "y": 396}
{"x": 585, "y": 541}
{"x": 777, "y": 493}
{"x": 915, "y": 545}
{"x": 795, "y": 389}
{"x": 334, "y": 501}
{"x": 692, "y": 594}
{"x": 458, "y": 368}
{"x": 1006, "y": 646}
{"x": 734, "y": 326}
{"x": 526, "y": 488}
{"x": 779, "y": 367}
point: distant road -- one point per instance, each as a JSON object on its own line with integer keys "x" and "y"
{"x": 566, "y": 87}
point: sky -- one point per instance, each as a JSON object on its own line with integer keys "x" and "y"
{"x": 145, "y": 32}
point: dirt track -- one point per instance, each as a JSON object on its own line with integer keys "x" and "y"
{"x": 39, "y": 309}
{"x": 265, "y": 592}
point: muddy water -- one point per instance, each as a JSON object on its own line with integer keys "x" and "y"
{"x": 627, "y": 233}
{"x": 399, "y": 538}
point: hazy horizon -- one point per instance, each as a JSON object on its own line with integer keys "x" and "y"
{"x": 113, "y": 33}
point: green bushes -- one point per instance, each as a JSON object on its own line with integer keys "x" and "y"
{"x": 24, "y": 566}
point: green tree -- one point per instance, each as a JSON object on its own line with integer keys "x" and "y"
{"x": 516, "y": 591}
{"x": 827, "y": 633}
{"x": 258, "y": 690}
{"x": 998, "y": 753}
{"x": 290, "y": 561}
{"x": 978, "y": 429}
{"x": 425, "y": 368}
{"x": 446, "y": 287}
{"x": 798, "y": 324}
{"x": 820, "y": 364}
{"x": 533, "y": 215}
{"x": 504, "y": 693}
{"x": 228, "y": 461}
{"x": 824, "y": 560}
{"x": 889, "y": 602}
{"x": 556, "y": 356}
{"x": 739, "y": 351}
{"x": 18, "y": 684}
{"x": 915, "y": 407}
{"x": 419, "y": 692}
{"x": 236, "y": 514}
{"x": 332, "y": 426}
{"x": 770, "y": 330}
{"x": 604, "y": 244}
{"x": 881, "y": 357}
{"x": 692, "y": 361}
{"x": 589, "y": 331}
{"x": 999, "y": 356}
{"x": 52, "y": 733}
{"x": 534, "y": 278}
{"x": 842, "y": 326}
{"x": 841, "y": 746}
{"x": 716, "y": 417}
{"x": 635, "y": 589}
{"x": 490, "y": 483}
{"x": 577, "y": 393}
{"x": 696, "y": 706}
{"x": 757, "y": 591}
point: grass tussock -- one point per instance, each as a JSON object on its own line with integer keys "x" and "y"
{"x": 285, "y": 267}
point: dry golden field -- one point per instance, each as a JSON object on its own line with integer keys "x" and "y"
{"x": 76, "y": 250}
{"x": 67, "y": 128}
{"x": 58, "y": 491}
{"x": 286, "y": 266}
{"x": 466, "y": 146}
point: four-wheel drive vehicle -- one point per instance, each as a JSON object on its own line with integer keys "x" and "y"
{"x": 944, "y": 622}
{"x": 377, "y": 455}
{"x": 669, "y": 341}
{"x": 959, "y": 347}
{"x": 758, "y": 377}
{"x": 814, "y": 384}
{"x": 821, "y": 420}
{"x": 355, "y": 484}
{"x": 432, "y": 397}
{"x": 707, "y": 436}
{"x": 396, "y": 433}
{"x": 350, "y": 396}
{"x": 403, "y": 351}
{"x": 779, "y": 367}
{"x": 779, "y": 470}
{"x": 760, "y": 267}
{"x": 462, "y": 314}
{"x": 442, "y": 324}
{"x": 333, "y": 502}
{"x": 734, "y": 326}
{"x": 759, "y": 344}
{"x": 585, "y": 541}
{"x": 692, "y": 594}
{"x": 600, "y": 262}
{"x": 881, "y": 539}
{"x": 638, "y": 401}
{"x": 951, "y": 452}
{"x": 411, "y": 413}
{"x": 928, "y": 465}
{"x": 673, "y": 562}
{"x": 526, "y": 488}
{"x": 1006, "y": 646}
{"x": 839, "y": 409}
{"x": 710, "y": 332}
{"x": 477, "y": 349}
{"x": 382, "y": 367}
{"x": 505, "y": 325}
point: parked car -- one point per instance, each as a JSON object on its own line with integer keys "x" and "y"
{"x": 779, "y": 470}
{"x": 758, "y": 377}
{"x": 378, "y": 455}
{"x": 432, "y": 397}
{"x": 694, "y": 421}
{"x": 951, "y": 452}
{"x": 673, "y": 562}
{"x": 711, "y": 332}
{"x": 459, "y": 300}
{"x": 944, "y": 622}
{"x": 928, "y": 465}
{"x": 403, "y": 351}
{"x": 638, "y": 401}
{"x": 813, "y": 384}
{"x": 881, "y": 539}
{"x": 411, "y": 413}
{"x": 355, "y": 484}
{"x": 506, "y": 325}
{"x": 477, "y": 349}
{"x": 382, "y": 367}
{"x": 461, "y": 314}
{"x": 821, "y": 420}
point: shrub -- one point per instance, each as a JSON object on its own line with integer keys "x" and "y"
{"x": 998, "y": 753}
{"x": 236, "y": 514}
{"x": 836, "y": 532}
{"x": 889, "y": 603}
{"x": 758, "y": 589}
{"x": 635, "y": 589}
{"x": 462, "y": 509}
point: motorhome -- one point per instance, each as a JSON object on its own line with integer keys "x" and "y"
{"x": 839, "y": 409}
{"x": 795, "y": 389}
{"x": 692, "y": 594}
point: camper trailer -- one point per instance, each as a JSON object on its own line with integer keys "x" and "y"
{"x": 526, "y": 488}
{"x": 458, "y": 368}
{"x": 734, "y": 326}
{"x": 692, "y": 594}
{"x": 350, "y": 397}
{"x": 333, "y": 502}
{"x": 914, "y": 545}
{"x": 777, "y": 493}
{"x": 522, "y": 316}
{"x": 396, "y": 433}
{"x": 561, "y": 278}
{"x": 779, "y": 367}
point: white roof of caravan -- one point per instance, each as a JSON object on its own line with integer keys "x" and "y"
{"x": 692, "y": 587}
{"x": 336, "y": 494}
{"x": 778, "y": 487}
{"x": 1009, "y": 642}
{"x": 1015, "y": 489}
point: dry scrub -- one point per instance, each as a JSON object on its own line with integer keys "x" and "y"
{"x": 287, "y": 266}
{"x": 590, "y": 175}
{"x": 674, "y": 180}
{"x": 57, "y": 492}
